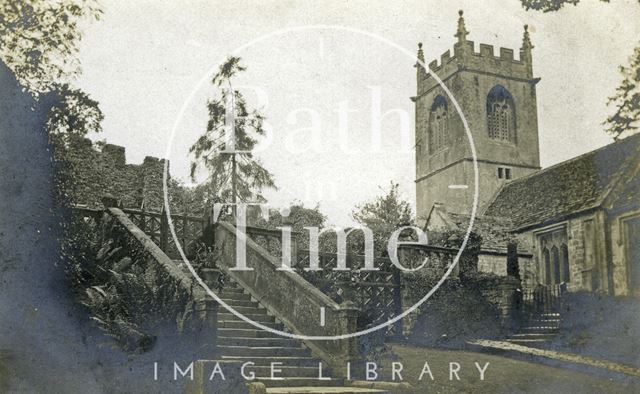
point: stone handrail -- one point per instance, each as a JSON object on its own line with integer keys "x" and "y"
{"x": 291, "y": 299}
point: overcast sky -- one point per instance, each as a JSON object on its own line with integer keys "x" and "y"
{"x": 145, "y": 59}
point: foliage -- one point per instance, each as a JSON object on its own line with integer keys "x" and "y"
{"x": 298, "y": 218}
{"x": 131, "y": 298}
{"x": 39, "y": 39}
{"x": 230, "y": 171}
{"x": 627, "y": 96}
{"x": 454, "y": 314}
{"x": 548, "y": 5}
{"x": 626, "y": 99}
{"x": 602, "y": 326}
{"x": 384, "y": 215}
{"x": 72, "y": 113}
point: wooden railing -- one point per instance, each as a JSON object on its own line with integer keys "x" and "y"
{"x": 188, "y": 229}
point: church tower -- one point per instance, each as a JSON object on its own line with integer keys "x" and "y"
{"x": 497, "y": 95}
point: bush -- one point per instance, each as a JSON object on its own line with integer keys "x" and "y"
{"x": 600, "y": 326}
{"x": 455, "y": 313}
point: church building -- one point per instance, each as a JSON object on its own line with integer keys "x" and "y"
{"x": 575, "y": 224}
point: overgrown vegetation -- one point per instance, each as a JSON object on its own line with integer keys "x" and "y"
{"x": 626, "y": 99}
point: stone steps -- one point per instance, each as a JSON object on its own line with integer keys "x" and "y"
{"x": 539, "y": 329}
{"x": 260, "y": 318}
{"x": 301, "y": 382}
{"x": 287, "y": 371}
{"x": 241, "y": 341}
{"x": 245, "y": 333}
{"x": 240, "y": 303}
{"x": 266, "y": 361}
{"x": 323, "y": 390}
{"x": 258, "y": 342}
{"x": 274, "y": 351}
{"x": 241, "y": 324}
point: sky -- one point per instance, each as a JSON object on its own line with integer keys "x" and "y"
{"x": 319, "y": 72}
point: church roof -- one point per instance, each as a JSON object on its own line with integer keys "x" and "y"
{"x": 569, "y": 187}
{"x": 494, "y": 231}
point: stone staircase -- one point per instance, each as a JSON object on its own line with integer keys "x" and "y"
{"x": 538, "y": 331}
{"x": 241, "y": 341}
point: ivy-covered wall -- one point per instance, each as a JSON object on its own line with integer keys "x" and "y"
{"x": 96, "y": 172}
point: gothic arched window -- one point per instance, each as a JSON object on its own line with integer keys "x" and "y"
{"x": 555, "y": 265}
{"x": 566, "y": 272}
{"x": 438, "y": 125}
{"x": 501, "y": 115}
{"x": 547, "y": 265}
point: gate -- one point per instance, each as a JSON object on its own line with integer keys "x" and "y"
{"x": 543, "y": 298}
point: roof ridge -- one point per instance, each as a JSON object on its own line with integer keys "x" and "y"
{"x": 571, "y": 160}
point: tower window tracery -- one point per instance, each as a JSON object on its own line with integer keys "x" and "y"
{"x": 438, "y": 125}
{"x": 501, "y": 120}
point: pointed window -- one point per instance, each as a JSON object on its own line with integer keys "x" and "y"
{"x": 566, "y": 272}
{"x": 438, "y": 125}
{"x": 555, "y": 265}
{"x": 547, "y": 265}
{"x": 501, "y": 119}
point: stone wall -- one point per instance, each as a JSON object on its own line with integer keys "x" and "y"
{"x": 490, "y": 263}
{"x": 98, "y": 172}
{"x": 587, "y": 252}
{"x": 619, "y": 253}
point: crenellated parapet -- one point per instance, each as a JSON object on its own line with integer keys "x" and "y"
{"x": 97, "y": 171}
{"x": 482, "y": 58}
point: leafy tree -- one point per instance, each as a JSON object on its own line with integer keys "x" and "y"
{"x": 626, "y": 100}
{"x": 39, "y": 39}
{"x": 71, "y": 113}
{"x": 233, "y": 175}
{"x": 384, "y": 215}
{"x": 548, "y": 5}
{"x": 627, "y": 96}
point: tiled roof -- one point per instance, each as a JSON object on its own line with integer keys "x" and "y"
{"x": 493, "y": 230}
{"x": 571, "y": 186}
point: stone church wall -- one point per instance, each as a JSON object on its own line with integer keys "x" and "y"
{"x": 586, "y": 248}
{"x": 99, "y": 172}
{"x": 619, "y": 253}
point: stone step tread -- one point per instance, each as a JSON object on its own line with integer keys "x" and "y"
{"x": 298, "y": 382}
{"x": 250, "y": 310}
{"x": 288, "y": 371}
{"x": 533, "y": 334}
{"x": 323, "y": 390}
{"x": 547, "y": 322}
{"x": 255, "y": 317}
{"x": 245, "y": 332}
{"x": 527, "y": 340}
{"x": 243, "y": 325}
{"x": 258, "y": 342}
{"x": 286, "y": 360}
{"x": 540, "y": 328}
{"x": 265, "y": 351}
{"x": 262, "y": 347}
{"x": 243, "y": 303}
